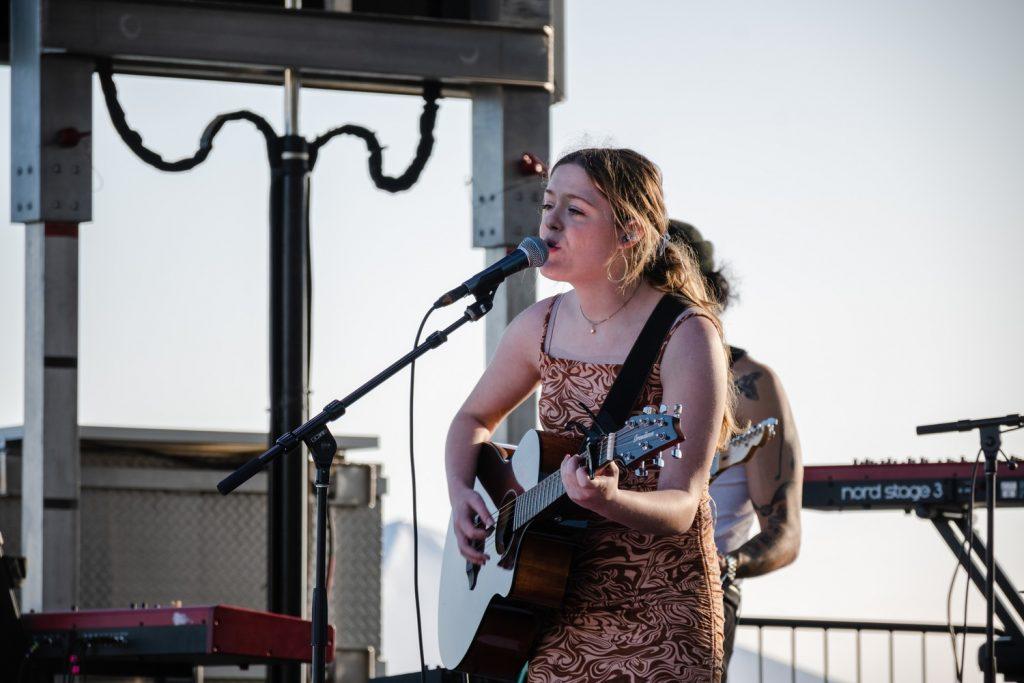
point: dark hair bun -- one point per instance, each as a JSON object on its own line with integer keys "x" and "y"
{"x": 689, "y": 237}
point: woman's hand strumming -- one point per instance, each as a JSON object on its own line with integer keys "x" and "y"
{"x": 472, "y": 523}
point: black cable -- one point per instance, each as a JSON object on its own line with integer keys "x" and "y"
{"x": 415, "y": 518}
{"x": 431, "y": 93}
{"x": 970, "y": 550}
{"x": 309, "y": 298}
{"x": 949, "y": 608}
{"x": 952, "y": 584}
{"x": 134, "y": 140}
{"x": 330, "y": 551}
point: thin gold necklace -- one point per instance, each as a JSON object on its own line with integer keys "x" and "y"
{"x": 595, "y": 323}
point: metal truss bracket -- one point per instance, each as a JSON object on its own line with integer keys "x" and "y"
{"x": 333, "y": 49}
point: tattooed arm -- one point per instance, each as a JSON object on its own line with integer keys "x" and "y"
{"x": 774, "y": 475}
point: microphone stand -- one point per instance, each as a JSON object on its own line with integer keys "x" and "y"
{"x": 322, "y": 446}
{"x": 991, "y": 443}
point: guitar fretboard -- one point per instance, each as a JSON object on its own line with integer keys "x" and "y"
{"x": 537, "y": 499}
{"x": 651, "y": 437}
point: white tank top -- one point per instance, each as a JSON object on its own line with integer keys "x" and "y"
{"x": 734, "y": 513}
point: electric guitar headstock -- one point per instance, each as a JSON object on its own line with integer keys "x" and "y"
{"x": 638, "y": 445}
{"x": 742, "y": 447}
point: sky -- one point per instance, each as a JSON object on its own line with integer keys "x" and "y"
{"x": 857, "y": 165}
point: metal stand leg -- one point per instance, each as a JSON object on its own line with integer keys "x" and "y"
{"x": 944, "y": 524}
{"x": 989, "y": 431}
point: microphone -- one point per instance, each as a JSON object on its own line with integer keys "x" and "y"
{"x": 530, "y": 253}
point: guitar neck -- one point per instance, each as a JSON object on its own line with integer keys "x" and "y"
{"x": 642, "y": 437}
{"x": 535, "y": 500}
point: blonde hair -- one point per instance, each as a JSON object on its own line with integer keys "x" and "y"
{"x": 632, "y": 185}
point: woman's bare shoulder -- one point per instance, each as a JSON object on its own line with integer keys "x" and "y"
{"x": 530, "y": 322}
{"x": 694, "y": 335}
{"x": 525, "y": 333}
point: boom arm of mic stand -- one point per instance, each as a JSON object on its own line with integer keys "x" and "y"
{"x": 967, "y": 425}
{"x": 335, "y": 409}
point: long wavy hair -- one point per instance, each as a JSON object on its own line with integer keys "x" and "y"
{"x": 632, "y": 185}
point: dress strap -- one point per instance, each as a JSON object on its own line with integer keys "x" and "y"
{"x": 549, "y": 323}
{"x": 690, "y": 312}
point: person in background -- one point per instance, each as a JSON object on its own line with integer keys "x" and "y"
{"x": 770, "y": 485}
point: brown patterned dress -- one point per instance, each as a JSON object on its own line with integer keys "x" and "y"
{"x": 638, "y": 607}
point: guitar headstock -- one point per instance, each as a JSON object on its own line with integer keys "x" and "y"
{"x": 742, "y": 447}
{"x": 756, "y": 436}
{"x": 640, "y": 441}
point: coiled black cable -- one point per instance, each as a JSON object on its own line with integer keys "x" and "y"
{"x": 431, "y": 93}
{"x": 134, "y": 140}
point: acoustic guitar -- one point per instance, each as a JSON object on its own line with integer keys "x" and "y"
{"x": 489, "y": 616}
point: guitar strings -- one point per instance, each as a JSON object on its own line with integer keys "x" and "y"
{"x": 512, "y": 503}
{"x": 504, "y": 508}
{"x": 490, "y": 541}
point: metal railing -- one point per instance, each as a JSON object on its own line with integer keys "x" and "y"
{"x": 857, "y": 627}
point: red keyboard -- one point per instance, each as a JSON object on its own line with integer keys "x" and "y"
{"x": 904, "y": 485}
{"x": 143, "y": 640}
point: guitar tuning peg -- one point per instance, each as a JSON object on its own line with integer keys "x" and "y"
{"x": 640, "y": 471}
{"x": 677, "y": 409}
{"x": 658, "y": 462}
{"x": 662, "y": 409}
{"x": 677, "y": 452}
{"x": 648, "y": 410}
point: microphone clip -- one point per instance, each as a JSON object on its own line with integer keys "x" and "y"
{"x": 482, "y": 305}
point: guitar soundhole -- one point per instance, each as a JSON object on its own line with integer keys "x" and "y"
{"x": 503, "y": 538}
{"x": 504, "y": 529}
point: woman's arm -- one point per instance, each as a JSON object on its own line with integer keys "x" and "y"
{"x": 693, "y": 373}
{"x": 511, "y": 376}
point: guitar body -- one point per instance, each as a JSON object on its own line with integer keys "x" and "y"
{"x": 489, "y": 616}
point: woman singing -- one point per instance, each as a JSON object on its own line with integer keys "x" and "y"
{"x": 643, "y": 601}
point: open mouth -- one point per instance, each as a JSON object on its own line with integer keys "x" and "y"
{"x": 551, "y": 244}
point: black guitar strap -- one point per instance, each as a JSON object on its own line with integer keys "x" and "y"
{"x": 631, "y": 378}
